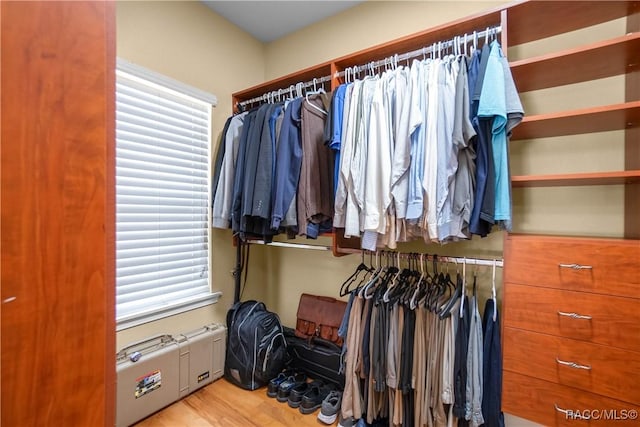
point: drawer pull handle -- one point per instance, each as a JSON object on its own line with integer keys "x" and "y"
{"x": 575, "y": 315}
{"x": 573, "y": 365}
{"x": 576, "y": 266}
{"x": 559, "y": 409}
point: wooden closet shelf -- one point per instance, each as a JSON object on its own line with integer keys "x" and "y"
{"x": 529, "y": 21}
{"x": 587, "y": 120}
{"x": 594, "y": 61}
{"x": 576, "y": 179}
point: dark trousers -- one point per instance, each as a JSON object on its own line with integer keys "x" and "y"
{"x": 492, "y": 368}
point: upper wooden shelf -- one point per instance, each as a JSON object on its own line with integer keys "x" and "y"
{"x": 535, "y": 20}
{"x": 595, "y": 61}
{"x": 576, "y": 179}
{"x": 587, "y": 120}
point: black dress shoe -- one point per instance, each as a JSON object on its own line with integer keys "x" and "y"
{"x": 274, "y": 383}
{"x": 299, "y": 390}
{"x": 313, "y": 398}
{"x": 285, "y": 387}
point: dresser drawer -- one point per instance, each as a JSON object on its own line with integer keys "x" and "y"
{"x": 607, "y": 371}
{"x": 607, "y": 320}
{"x": 605, "y": 266}
{"x": 544, "y": 402}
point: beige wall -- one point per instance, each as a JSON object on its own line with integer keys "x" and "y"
{"x": 187, "y": 41}
{"x": 363, "y": 26}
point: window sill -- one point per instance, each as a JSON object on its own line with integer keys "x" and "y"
{"x": 138, "y": 319}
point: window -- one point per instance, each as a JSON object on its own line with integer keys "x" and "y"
{"x": 163, "y": 135}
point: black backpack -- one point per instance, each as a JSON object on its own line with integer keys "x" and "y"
{"x": 256, "y": 347}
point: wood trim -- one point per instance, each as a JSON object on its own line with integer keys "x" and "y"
{"x": 579, "y": 64}
{"x": 345, "y": 246}
{"x": 632, "y": 141}
{"x": 585, "y": 120}
{"x": 576, "y": 179}
{"x": 110, "y": 216}
{"x": 536, "y": 20}
{"x": 504, "y": 35}
{"x": 58, "y": 331}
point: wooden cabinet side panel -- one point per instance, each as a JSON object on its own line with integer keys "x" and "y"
{"x": 57, "y": 221}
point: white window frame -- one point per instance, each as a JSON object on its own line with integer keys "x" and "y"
{"x": 151, "y": 78}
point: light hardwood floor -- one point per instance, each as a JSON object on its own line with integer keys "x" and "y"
{"x": 222, "y": 404}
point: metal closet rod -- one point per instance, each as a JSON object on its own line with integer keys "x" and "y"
{"x": 434, "y": 48}
{"x": 277, "y": 94}
{"x": 391, "y": 60}
{"x": 289, "y": 245}
{"x": 405, "y": 255}
{"x": 498, "y": 262}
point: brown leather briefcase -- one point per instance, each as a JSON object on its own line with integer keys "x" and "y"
{"x": 319, "y": 316}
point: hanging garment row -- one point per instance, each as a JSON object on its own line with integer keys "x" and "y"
{"x": 418, "y": 151}
{"x": 274, "y": 172}
{"x": 417, "y": 353}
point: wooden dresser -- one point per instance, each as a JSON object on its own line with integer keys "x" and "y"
{"x": 571, "y": 330}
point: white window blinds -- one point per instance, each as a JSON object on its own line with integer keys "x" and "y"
{"x": 162, "y": 197}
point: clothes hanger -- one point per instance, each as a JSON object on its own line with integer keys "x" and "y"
{"x": 493, "y": 291}
{"x": 457, "y": 292}
{"x": 416, "y": 283}
{"x": 412, "y": 303}
{"x": 434, "y": 289}
{"x": 372, "y": 283}
{"x": 464, "y": 286}
{"x": 385, "y": 298}
{"x": 344, "y": 288}
{"x": 372, "y": 280}
{"x": 315, "y": 92}
{"x": 404, "y": 289}
{"x": 465, "y": 45}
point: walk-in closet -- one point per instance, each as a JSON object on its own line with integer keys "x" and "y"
{"x": 348, "y": 213}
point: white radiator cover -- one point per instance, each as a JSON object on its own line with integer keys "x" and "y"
{"x": 160, "y": 370}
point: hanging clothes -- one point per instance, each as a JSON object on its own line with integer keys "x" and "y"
{"x": 492, "y": 367}
{"x": 315, "y": 187}
{"x": 415, "y": 152}
{"x": 474, "y": 386}
{"x": 223, "y": 196}
{"x": 276, "y": 172}
{"x": 288, "y": 164}
{"x": 421, "y": 153}
{"x": 418, "y": 353}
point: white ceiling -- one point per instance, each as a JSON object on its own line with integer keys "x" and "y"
{"x": 269, "y": 20}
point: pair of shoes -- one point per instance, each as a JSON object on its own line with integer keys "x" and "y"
{"x": 298, "y": 392}
{"x": 314, "y": 397}
{"x": 284, "y": 389}
{"x": 330, "y": 407}
{"x": 274, "y": 383}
